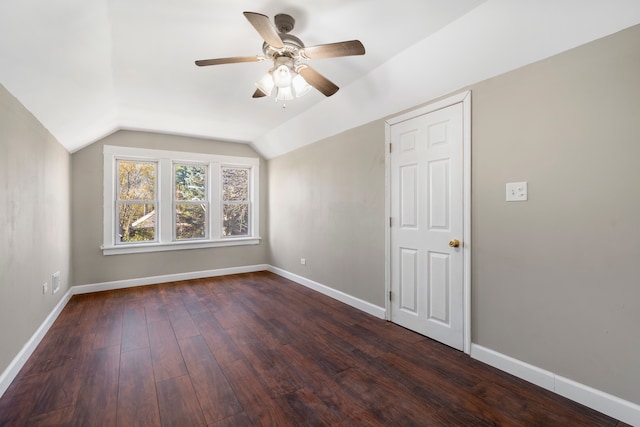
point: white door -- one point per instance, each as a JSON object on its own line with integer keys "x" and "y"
{"x": 427, "y": 222}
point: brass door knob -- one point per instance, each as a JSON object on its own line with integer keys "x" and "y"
{"x": 455, "y": 243}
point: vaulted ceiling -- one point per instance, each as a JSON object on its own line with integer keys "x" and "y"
{"x": 86, "y": 68}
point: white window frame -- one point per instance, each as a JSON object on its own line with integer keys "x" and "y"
{"x": 165, "y": 235}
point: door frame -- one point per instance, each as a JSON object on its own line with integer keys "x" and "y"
{"x": 465, "y": 99}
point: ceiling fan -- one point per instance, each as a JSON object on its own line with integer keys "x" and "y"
{"x": 290, "y": 74}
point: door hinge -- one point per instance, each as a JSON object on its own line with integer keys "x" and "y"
{"x": 389, "y": 295}
{"x": 390, "y": 222}
{"x": 390, "y": 145}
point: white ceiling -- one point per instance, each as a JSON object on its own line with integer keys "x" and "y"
{"x": 86, "y": 68}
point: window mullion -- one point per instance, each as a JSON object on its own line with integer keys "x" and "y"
{"x": 254, "y": 196}
{"x": 215, "y": 201}
{"x": 165, "y": 200}
{"x": 109, "y": 194}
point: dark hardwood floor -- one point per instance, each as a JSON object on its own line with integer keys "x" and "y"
{"x": 258, "y": 350}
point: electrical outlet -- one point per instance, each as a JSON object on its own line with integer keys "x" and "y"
{"x": 516, "y": 191}
{"x": 55, "y": 282}
{"x": 303, "y": 261}
{"x": 45, "y": 288}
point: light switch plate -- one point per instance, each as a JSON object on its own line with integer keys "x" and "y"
{"x": 516, "y": 191}
{"x": 55, "y": 282}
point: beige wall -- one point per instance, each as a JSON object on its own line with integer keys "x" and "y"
{"x": 554, "y": 279}
{"x": 326, "y": 204}
{"x": 34, "y": 224}
{"x": 90, "y": 266}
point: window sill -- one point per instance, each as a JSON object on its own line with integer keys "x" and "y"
{"x": 177, "y": 246}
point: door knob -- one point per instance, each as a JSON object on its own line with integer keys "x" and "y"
{"x": 455, "y": 243}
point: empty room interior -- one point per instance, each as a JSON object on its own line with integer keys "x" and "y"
{"x": 381, "y": 186}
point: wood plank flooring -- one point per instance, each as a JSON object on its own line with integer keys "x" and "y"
{"x": 258, "y": 350}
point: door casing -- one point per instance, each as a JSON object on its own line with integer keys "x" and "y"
{"x": 465, "y": 99}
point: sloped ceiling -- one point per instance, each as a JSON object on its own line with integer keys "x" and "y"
{"x": 86, "y": 68}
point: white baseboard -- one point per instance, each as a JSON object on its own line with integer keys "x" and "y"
{"x": 608, "y": 404}
{"x": 154, "y": 280}
{"x": 613, "y": 406}
{"x": 362, "y": 305}
{"x": 27, "y": 350}
{"x": 515, "y": 367}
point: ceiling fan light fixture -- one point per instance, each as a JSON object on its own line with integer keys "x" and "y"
{"x": 282, "y": 76}
{"x": 300, "y": 86}
{"x": 266, "y": 84}
{"x": 284, "y": 94}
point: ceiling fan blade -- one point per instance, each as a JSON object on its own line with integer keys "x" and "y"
{"x": 332, "y": 50}
{"x": 265, "y": 28}
{"x": 258, "y": 94}
{"x": 218, "y": 61}
{"x": 318, "y": 81}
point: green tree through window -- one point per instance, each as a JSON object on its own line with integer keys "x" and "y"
{"x": 191, "y": 202}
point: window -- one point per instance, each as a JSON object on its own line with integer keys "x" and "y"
{"x": 157, "y": 200}
{"x": 235, "y": 201}
{"x": 136, "y": 201}
{"x": 191, "y": 201}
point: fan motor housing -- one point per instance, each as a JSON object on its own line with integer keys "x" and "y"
{"x": 292, "y": 45}
{"x": 284, "y": 23}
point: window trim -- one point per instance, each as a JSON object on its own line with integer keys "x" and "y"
{"x": 165, "y": 233}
